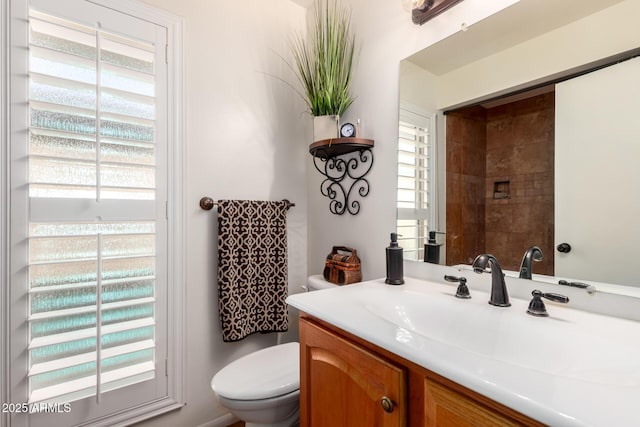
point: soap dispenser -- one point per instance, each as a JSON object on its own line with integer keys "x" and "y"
{"x": 394, "y": 262}
{"x": 432, "y": 249}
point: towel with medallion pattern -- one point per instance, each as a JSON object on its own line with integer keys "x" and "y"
{"x": 252, "y": 267}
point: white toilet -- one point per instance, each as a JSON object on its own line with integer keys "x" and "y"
{"x": 263, "y": 388}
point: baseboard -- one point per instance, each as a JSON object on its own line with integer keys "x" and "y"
{"x": 223, "y": 421}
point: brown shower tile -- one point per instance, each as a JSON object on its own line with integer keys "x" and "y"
{"x": 474, "y": 161}
{"x": 454, "y": 188}
{"x": 530, "y": 158}
{"x": 499, "y": 133}
{"x": 454, "y": 157}
{"x": 498, "y": 217}
{"x": 499, "y": 161}
{"x": 524, "y": 218}
{"x": 472, "y": 215}
{"x": 516, "y": 146}
{"x": 454, "y": 128}
{"x": 533, "y": 127}
{"x": 454, "y": 218}
{"x": 473, "y": 188}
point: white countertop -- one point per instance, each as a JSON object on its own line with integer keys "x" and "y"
{"x": 573, "y": 368}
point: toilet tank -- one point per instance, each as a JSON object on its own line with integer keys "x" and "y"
{"x": 317, "y": 282}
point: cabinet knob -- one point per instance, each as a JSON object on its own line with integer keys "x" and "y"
{"x": 387, "y": 404}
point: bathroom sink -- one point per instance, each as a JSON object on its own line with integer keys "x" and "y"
{"x": 575, "y": 368}
{"x": 569, "y": 343}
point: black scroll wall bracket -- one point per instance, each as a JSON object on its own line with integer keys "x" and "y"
{"x": 344, "y": 162}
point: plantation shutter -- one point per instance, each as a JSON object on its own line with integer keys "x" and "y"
{"x": 96, "y": 235}
{"x": 415, "y": 171}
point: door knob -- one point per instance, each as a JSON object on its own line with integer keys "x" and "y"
{"x": 564, "y": 248}
{"x": 387, "y": 404}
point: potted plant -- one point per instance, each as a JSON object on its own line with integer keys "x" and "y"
{"x": 323, "y": 64}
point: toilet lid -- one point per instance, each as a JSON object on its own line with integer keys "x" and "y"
{"x": 270, "y": 372}
{"x": 317, "y": 282}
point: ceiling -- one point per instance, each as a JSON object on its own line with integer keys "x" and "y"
{"x": 515, "y": 24}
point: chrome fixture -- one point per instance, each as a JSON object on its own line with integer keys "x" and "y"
{"x": 537, "y": 307}
{"x": 526, "y": 267}
{"x": 463, "y": 290}
{"x": 499, "y": 296}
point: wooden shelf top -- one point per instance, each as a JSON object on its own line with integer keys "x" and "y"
{"x": 327, "y": 148}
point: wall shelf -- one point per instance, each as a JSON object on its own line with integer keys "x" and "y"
{"x": 344, "y": 174}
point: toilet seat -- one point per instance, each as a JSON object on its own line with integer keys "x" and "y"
{"x": 267, "y": 373}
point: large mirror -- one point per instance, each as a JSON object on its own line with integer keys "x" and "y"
{"x": 526, "y": 136}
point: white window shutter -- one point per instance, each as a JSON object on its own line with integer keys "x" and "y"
{"x": 90, "y": 304}
{"x": 91, "y": 283}
{"x": 416, "y": 168}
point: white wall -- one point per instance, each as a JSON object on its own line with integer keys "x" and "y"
{"x": 417, "y": 86}
{"x": 387, "y": 35}
{"x": 245, "y": 133}
{"x": 606, "y": 33}
{"x": 248, "y": 136}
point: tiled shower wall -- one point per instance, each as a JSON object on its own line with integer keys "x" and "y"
{"x": 466, "y": 176}
{"x": 500, "y": 182}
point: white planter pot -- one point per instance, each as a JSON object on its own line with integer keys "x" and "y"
{"x": 325, "y": 127}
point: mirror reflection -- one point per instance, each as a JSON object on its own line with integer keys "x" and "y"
{"x": 500, "y": 181}
{"x": 547, "y": 163}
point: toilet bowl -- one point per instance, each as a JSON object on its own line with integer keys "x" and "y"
{"x": 283, "y": 411}
{"x": 263, "y": 388}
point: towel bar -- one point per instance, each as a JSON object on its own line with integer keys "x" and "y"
{"x": 207, "y": 203}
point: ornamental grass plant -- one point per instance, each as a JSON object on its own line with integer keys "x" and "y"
{"x": 323, "y": 61}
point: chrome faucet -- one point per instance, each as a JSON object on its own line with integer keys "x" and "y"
{"x": 526, "y": 267}
{"x": 499, "y": 296}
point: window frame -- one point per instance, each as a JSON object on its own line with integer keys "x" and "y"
{"x": 406, "y": 108}
{"x": 10, "y": 37}
{"x": 4, "y": 223}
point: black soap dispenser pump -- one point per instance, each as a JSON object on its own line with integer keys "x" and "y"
{"x": 432, "y": 249}
{"x": 394, "y": 262}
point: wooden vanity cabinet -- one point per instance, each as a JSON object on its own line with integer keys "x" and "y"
{"x": 343, "y": 384}
{"x": 344, "y": 381}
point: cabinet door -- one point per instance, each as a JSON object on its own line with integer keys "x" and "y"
{"x": 448, "y": 407}
{"x": 341, "y": 384}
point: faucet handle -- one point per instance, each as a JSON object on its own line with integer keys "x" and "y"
{"x": 537, "y": 307}
{"x": 463, "y": 290}
{"x": 555, "y": 297}
{"x": 589, "y": 288}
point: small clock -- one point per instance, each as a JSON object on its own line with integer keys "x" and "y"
{"x": 347, "y": 130}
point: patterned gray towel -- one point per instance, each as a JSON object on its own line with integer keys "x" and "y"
{"x": 252, "y": 267}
